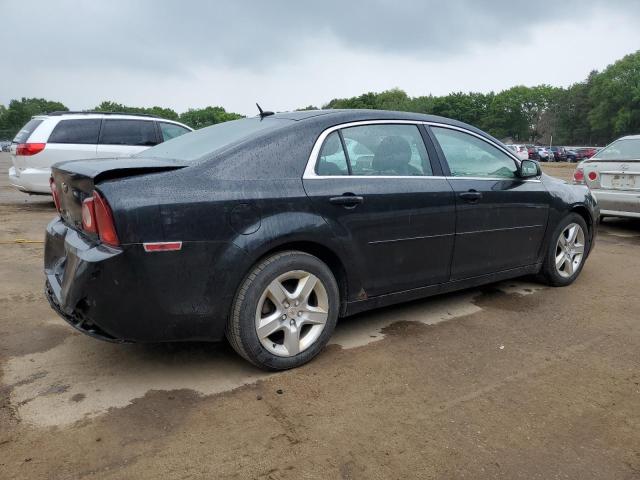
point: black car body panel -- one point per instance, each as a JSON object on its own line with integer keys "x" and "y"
{"x": 410, "y": 238}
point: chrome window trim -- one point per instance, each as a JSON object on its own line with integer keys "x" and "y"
{"x": 310, "y": 169}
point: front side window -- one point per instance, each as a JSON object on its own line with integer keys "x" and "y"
{"x": 171, "y": 130}
{"x": 469, "y": 156}
{"x": 386, "y": 150}
{"x": 84, "y": 131}
{"x": 128, "y": 132}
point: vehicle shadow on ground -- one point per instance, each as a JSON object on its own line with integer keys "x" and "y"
{"x": 83, "y": 377}
{"x": 46, "y": 206}
{"x": 620, "y": 230}
{"x": 631, "y": 225}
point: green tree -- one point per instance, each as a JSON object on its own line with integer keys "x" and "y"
{"x": 572, "y": 111}
{"x": 203, "y": 117}
{"x": 615, "y": 98}
{"x": 20, "y": 112}
{"x": 161, "y": 112}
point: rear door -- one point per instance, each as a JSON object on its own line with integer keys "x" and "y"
{"x": 124, "y": 137}
{"x": 500, "y": 219}
{"x": 376, "y": 186}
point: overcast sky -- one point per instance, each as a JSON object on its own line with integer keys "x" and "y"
{"x": 291, "y": 53}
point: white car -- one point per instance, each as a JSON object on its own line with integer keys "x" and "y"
{"x": 545, "y": 155}
{"x": 521, "y": 151}
{"x": 60, "y": 136}
{"x": 613, "y": 175}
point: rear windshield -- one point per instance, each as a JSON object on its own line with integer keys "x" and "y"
{"x": 23, "y": 135}
{"x": 625, "y": 149}
{"x": 195, "y": 145}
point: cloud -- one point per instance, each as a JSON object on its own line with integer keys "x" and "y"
{"x": 176, "y": 36}
{"x": 291, "y": 53}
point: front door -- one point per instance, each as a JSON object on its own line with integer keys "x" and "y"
{"x": 500, "y": 218}
{"x": 375, "y": 185}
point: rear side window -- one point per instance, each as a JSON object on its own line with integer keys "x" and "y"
{"x": 76, "y": 131}
{"x": 128, "y": 132}
{"x": 171, "y": 130}
{"x": 386, "y": 150}
{"x": 23, "y": 135}
{"x": 332, "y": 160}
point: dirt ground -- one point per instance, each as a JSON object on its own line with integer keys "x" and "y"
{"x": 513, "y": 380}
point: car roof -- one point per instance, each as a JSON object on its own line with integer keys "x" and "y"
{"x": 329, "y": 118}
{"x": 115, "y": 115}
{"x": 630, "y": 137}
{"x": 363, "y": 114}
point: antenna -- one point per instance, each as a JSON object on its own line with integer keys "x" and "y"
{"x": 262, "y": 112}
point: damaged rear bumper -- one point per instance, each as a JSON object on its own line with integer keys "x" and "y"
{"x": 125, "y": 294}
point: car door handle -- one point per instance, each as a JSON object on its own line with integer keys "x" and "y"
{"x": 472, "y": 196}
{"x": 347, "y": 200}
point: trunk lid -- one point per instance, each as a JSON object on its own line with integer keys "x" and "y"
{"x": 613, "y": 174}
{"x": 76, "y": 180}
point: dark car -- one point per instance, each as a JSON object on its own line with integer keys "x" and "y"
{"x": 533, "y": 152}
{"x": 268, "y": 229}
{"x": 559, "y": 153}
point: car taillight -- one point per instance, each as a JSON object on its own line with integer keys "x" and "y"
{"x": 593, "y": 176}
{"x": 97, "y": 218}
{"x": 54, "y": 192}
{"x": 578, "y": 175}
{"x": 28, "y": 149}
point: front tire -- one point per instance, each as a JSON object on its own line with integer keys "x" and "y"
{"x": 284, "y": 311}
{"x": 566, "y": 252}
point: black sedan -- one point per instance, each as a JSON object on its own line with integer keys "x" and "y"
{"x": 266, "y": 230}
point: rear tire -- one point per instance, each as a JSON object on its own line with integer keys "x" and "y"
{"x": 566, "y": 252}
{"x": 285, "y": 311}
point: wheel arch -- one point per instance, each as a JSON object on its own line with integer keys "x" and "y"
{"x": 584, "y": 213}
{"x": 326, "y": 255}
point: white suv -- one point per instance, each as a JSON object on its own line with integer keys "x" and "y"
{"x": 59, "y": 136}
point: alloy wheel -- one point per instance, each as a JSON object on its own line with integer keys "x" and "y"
{"x": 570, "y": 250}
{"x": 292, "y": 313}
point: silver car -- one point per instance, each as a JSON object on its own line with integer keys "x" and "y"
{"x": 613, "y": 175}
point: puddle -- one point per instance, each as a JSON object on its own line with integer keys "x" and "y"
{"x": 98, "y": 376}
{"x": 82, "y": 378}
{"x": 367, "y": 327}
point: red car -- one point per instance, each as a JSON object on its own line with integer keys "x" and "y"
{"x": 588, "y": 152}
{"x": 533, "y": 152}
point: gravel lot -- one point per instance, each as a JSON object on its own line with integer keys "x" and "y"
{"x": 513, "y": 380}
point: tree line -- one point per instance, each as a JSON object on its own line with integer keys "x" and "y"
{"x": 604, "y": 106}
{"x": 13, "y": 117}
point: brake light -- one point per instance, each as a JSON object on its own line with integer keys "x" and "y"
{"x": 593, "y": 176}
{"x": 578, "y": 175}
{"x": 54, "y": 192}
{"x": 28, "y": 149}
{"x": 97, "y": 218}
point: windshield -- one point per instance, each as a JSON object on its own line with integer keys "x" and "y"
{"x": 205, "y": 141}
{"x": 625, "y": 149}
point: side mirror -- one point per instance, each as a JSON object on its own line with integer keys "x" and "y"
{"x": 529, "y": 168}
